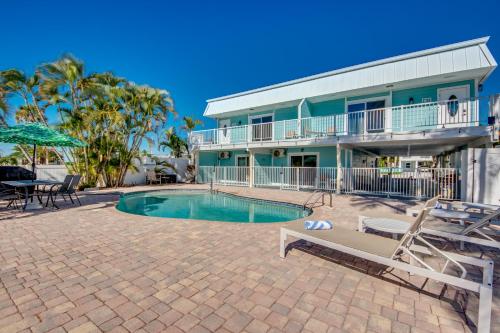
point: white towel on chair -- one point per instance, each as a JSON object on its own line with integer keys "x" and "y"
{"x": 318, "y": 225}
{"x": 438, "y": 205}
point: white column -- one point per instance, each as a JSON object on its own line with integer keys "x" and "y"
{"x": 339, "y": 167}
{"x": 196, "y": 157}
{"x": 388, "y": 114}
{"x": 251, "y": 161}
{"x": 299, "y": 117}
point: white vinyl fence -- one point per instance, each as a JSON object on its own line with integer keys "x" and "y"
{"x": 52, "y": 172}
{"x": 421, "y": 183}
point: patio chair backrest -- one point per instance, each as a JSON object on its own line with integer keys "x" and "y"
{"x": 66, "y": 182}
{"x": 416, "y": 226}
{"x": 482, "y": 222}
{"x": 74, "y": 183}
{"x": 151, "y": 175}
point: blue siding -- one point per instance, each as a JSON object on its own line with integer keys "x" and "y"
{"x": 402, "y": 97}
{"x": 419, "y": 117}
{"x": 355, "y": 98}
{"x": 263, "y": 160}
{"x": 285, "y": 114}
{"x": 327, "y": 156}
{"x": 328, "y": 108}
{"x": 211, "y": 158}
{"x": 414, "y": 117}
{"x": 207, "y": 158}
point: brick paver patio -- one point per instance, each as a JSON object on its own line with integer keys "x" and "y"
{"x": 93, "y": 269}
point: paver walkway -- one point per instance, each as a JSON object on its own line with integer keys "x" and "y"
{"x": 92, "y": 269}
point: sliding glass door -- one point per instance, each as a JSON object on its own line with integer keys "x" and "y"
{"x": 262, "y": 128}
{"x": 371, "y": 112}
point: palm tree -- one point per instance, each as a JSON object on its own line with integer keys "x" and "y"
{"x": 175, "y": 143}
{"x": 112, "y": 115}
{"x": 4, "y": 106}
{"x": 189, "y": 125}
{"x": 14, "y": 83}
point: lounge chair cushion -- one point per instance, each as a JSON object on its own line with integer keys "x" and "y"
{"x": 369, "y": 243}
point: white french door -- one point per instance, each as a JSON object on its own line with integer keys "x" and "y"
{"x": 455, "y": 108}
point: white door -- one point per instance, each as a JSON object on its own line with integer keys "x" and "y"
{"x": 455, "y": 109}
{"x": 224, "y": 134}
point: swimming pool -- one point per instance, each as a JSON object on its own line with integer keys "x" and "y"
{"x": 204, "y": 205}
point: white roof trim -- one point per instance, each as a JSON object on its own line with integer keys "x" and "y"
{"x": 433, "y": 52}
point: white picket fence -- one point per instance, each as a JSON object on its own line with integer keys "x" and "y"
{"x": 420, "y": 183}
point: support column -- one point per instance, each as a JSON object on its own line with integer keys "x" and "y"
{"x": 251, "y": 161}
{"x": 339, "y": 167}
{"x": 196, "y": 157}
{"x": 299, "y": 117}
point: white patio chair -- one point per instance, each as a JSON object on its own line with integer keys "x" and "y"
{"x": 388, "y": 252}
{"x": 478, "y": 232}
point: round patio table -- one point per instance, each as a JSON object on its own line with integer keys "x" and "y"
{"x": 392, "y": 226}
{"x": 448, "y": 214}
{"x": 481, "y": 207}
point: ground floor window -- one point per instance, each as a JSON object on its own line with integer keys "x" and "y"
{"x": 242, "y": 160}
{"x": 304, "y": 160}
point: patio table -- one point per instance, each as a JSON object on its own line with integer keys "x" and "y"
{"x": 392, "y": 226}
{"x": 449, "y": 214}
{"x": 26, "y": 184}
{"x": 479, "y": 206}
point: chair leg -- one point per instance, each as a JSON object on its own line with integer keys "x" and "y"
{"x": 77, "y": 198}
{"x": 70, "y": 198}
{"x": 485, "y": 305}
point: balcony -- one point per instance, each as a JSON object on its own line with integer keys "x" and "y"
{"x": 396, "y": 119}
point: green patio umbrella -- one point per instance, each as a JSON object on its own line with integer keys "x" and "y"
{"x": 37, "y": 134}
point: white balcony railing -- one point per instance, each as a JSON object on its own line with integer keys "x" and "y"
{"x": 419, "y": 183}
{"x": 396, "y": 119}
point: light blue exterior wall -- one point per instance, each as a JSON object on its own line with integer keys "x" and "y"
{"x": 355, "y": 98}
{"x": 263, "y": 160}
{"x": 327, "y": 157}
{"x": 285, "y": 114}
{"x": 402, "y": 97}
{"x": 207, "y": 158}
{"x": 337, "y": 106}
{"x": 421, "y": 117}
{"x": 212, "y": 158}
{"x": 237, "y": 120}
{"x": 328, "y": 108}
{"x": 279, "y": 114}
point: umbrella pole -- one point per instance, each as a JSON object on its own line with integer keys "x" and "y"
{"x": 33, "y": 161}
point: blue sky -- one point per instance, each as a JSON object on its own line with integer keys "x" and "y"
{"x": 200, "y": 50}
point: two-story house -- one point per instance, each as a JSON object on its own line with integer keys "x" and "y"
{"x": 329, "y": 131}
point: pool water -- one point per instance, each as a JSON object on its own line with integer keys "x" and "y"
{"x": 203, "y": 205}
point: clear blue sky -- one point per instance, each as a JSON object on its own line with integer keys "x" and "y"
{"x": 199, "y": 50}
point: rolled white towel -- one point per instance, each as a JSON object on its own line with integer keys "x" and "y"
{"x": 318, "y": 225}
{"x": 438, "y": 205}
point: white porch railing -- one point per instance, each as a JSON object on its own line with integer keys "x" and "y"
{"x": 421, "y": 183}
{"x": 236, "y": 176}
{"x": 396, "y": 119}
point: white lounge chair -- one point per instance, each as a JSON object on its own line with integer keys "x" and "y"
{"x": 386, "y": 251}
{"x": 478, "y": 233}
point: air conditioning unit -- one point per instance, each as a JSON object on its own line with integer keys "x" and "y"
{"x": 224, "y": 155}
{"x": 279, "y": 152}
